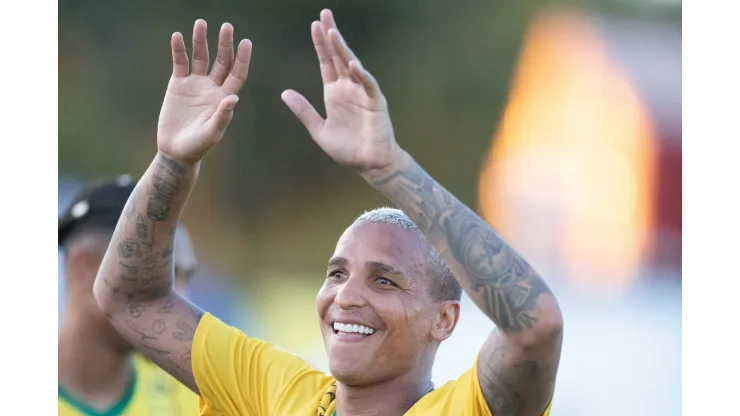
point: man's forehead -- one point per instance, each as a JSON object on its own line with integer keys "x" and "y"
{"x": 379, "y": 242}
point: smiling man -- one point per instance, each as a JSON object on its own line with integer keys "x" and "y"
{"x": 387, "y": 302}
{"x": 393, "y": 283}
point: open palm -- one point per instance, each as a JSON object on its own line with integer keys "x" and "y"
{"x": 198, "y": 106}
{"x": 357, "y": 130}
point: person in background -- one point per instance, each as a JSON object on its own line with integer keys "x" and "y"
{"x": 100, "y": 373}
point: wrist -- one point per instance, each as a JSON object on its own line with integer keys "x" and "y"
{"x": 192, "y": 166}
{"x": 401, "y": 160}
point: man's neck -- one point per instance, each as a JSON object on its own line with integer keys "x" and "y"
{"x": 91, "y": 368}
{"x": 391, "y": 398}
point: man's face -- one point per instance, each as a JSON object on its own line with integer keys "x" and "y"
{"x": 376, "y": 279}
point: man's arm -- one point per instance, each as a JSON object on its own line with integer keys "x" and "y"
{"x": 135, "y": 284}
{"x": 519, "y": 360}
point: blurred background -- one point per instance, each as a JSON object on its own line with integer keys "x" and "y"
{"x": 559, "y": 122}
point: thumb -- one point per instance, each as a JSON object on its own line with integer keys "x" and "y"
{"x": 304, "y": 111}
{"x": 223, "y": 115}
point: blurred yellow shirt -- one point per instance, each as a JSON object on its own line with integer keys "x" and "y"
{"x": 153, "y": 392}
{"x": 238, "y": 375}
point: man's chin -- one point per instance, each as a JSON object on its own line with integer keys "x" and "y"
{"x": 349, "y": 377}
{"x": 347, "y": 371}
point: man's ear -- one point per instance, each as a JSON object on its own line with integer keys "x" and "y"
{"x": 449, "y": 313}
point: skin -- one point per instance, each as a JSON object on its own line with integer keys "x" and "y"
{"x": 86, "y": 336}
{"x": 519, "y": 360}
{"x": 376, "y": 277}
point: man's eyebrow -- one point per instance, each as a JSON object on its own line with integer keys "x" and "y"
{"x": 337, "y": 262}
{"x": 385, "y": 269}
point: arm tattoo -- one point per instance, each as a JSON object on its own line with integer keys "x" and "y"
{"x": 128, "y": 248}
{"x": 136, "y": 278}
{"x": 500, "y": 383}
{"x": 145, "y": 242}
{"x": 186, "y": 331}
{"x": 141, "y": 228}
{"x": 516, "y": 378}
{"x": 167, "y": 185}
{"x": 166, "y": 307}
{"x": 504, "y": 286}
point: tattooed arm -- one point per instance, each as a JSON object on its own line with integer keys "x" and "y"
{"x": 134, "y": 286}
{"x": 519, "y": 360}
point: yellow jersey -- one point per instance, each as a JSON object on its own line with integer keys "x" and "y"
{"x": 152, "y": 392}
{"x": 238, "y": 375}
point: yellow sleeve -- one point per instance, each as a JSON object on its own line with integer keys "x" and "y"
{"x": 238, "y": 375}
{"x": 463, "y": 396}
{"x": 480, "y": 401}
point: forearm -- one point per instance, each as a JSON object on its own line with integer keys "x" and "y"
{"x": 500, "y": 281}
{"x": 138, "y": 266}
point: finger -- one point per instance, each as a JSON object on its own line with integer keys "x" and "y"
{"x": 361, "y": 75}
{"x": 327, "y": 19}
{"x": 180, "y": 66}
{"x": 225, "y": 56}
{"x": 305, "y": 112}
{"x": 223, "y": 115}
{"x": 328, "y": 23}
{"x": 200, "y": 48}
{"x": 240, "y": 69}
{"x": 323, "y": 51}
{"x": 340, "y": 47}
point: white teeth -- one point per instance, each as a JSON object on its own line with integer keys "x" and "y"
{"x": 353, "y": 328}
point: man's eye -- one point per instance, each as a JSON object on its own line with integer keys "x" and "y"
{"x": 384, "y": 281}
{"x": 335, "y": 274}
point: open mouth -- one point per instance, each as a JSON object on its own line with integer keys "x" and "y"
{"x": 348, "y": 329}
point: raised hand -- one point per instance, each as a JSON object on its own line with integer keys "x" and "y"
{"x": 357, "y": 130}
{"x": 198, "y": 107}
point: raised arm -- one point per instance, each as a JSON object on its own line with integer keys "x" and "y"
{"x": 519, "y": 360}
{"x": 134, "y": 286}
